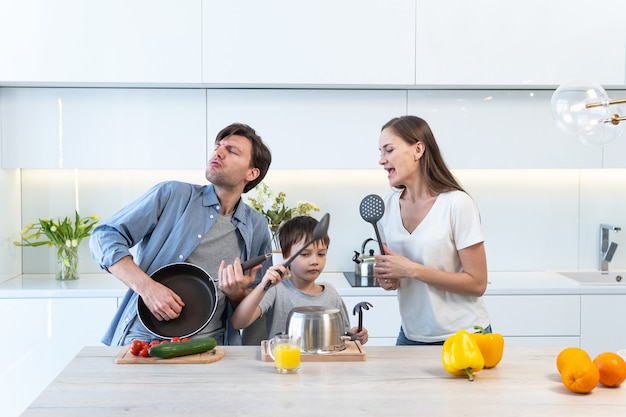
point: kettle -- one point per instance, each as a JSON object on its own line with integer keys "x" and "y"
{"x": 364, "y": 265}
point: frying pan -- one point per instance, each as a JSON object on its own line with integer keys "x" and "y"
{"x": 197, "y": 290}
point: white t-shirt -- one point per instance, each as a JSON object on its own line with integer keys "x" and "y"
{"x": 453, "y": 223}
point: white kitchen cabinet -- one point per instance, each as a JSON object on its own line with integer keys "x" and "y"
{"x": 614, "y": 153}
{"x": 350, "y": 42}
{"x": 317, "y": 129}
{"x": 115, "y": 41}
{"x": 534, "y": 42}
{"x": 602, "y": 323}
{"x": 536, "y": 319}
{"x": 103, "y": 128}
{"x": 45, "y": 335}
{"x": 523, "y": 320}
{"x": 382, "y": 321}
{"x": 505, "y": 129}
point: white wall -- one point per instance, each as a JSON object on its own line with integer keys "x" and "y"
{"x": 10, "y": 218}
{"x": 532, "y": 219}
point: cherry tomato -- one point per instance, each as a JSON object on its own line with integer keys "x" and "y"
{"x": 144, "y": 353}
{"x": 154, "y": 343}
{"x": 135, "y": 347}
{"x": 185, "y": 339}
{"x": 176, "y": 339}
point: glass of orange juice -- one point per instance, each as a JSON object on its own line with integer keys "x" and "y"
{"x": 285, "y": 350}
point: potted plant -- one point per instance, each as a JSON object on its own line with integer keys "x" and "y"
{"x": 276, "y": 211}
{"x": 65, "y": 235}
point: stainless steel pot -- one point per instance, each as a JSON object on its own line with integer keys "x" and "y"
{"x": 364, "y": 265}
{"x": 320, "y": 329}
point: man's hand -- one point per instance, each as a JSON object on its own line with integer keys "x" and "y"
{"x": 162, "y": 302}
{"x": 233, "y": 282}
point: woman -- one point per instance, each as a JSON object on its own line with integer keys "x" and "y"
{"x": 434, "y": 253}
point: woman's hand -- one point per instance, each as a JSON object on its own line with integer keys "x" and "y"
{"x": 389, "y": 268}
{"x": 388, "y": 284}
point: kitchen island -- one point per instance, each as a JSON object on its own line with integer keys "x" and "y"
{"x": 57, "y": 319}
{"x": 398, "y": 381}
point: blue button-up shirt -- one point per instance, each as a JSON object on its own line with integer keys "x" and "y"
{"x": 167, "y": 224}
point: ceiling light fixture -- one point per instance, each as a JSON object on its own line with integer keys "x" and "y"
{"x": 583, "y": 108}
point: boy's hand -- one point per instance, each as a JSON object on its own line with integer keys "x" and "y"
{"x": 273, "y": 275}
{"x": 362, "y": 335}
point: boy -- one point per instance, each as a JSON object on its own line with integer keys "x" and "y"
{"x": 300, "y": 290}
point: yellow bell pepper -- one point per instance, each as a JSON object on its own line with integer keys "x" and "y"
{"x": 491, "y": 346}
{"x": 461, "y": 355}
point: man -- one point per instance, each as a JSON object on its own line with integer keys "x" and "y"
{"x": 201, "y": 224}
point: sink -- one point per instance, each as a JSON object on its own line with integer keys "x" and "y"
{"x": 596, "y": 277}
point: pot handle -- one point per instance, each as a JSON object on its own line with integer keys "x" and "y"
{"x": 365, "y": 243}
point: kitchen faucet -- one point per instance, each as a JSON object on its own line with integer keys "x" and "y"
{"x": 607, "y": 250}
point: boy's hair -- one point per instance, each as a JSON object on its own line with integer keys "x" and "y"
{"x": 294, "y": 230}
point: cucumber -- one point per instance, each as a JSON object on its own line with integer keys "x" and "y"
{"x": 174, "y": 349}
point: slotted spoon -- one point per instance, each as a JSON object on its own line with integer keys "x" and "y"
{"x": 372, "y": 209}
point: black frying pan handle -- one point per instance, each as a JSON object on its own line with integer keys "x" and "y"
{"x": 255, "y": 261}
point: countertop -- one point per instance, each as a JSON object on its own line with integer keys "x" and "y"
{"x": 394, "y": 380}
{"x": 107, "y": 286}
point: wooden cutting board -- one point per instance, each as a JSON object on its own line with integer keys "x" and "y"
{"x": 352, "y": 353}
{"x": 211, "y": 356}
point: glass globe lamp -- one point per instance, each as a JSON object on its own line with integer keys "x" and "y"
{"x": 583, "y": 108}
{"x": 569, "y": 106}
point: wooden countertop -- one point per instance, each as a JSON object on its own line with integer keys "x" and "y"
{"x": 393, "y": 381}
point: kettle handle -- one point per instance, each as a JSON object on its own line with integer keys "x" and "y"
{"x": 365, "y": 243}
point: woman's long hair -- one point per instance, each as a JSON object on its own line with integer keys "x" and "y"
{"x": 433, "y": 168}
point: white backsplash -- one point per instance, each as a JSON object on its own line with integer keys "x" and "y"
{"x": 10, "y": 202}
{"x": 532, "y": 219}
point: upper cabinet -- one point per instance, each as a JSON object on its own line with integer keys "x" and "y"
{"x": 286, "y": 43}
{"x": 500, "y": 129}
{"x": 103, "y": 128}
{"x": 313, "y": 128}
{"x": 530, "y": 42}
{"x": 348, "y": 42}
{"x": 113, "y": 41}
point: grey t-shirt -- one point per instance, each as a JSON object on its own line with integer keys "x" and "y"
{"x": 280, "y": 299}
{"x": 219, "y": 243}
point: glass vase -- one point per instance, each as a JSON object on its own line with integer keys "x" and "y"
{"x": 67, "y": 258}
{"x": 275, "y": 241}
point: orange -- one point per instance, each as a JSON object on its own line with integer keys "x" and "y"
{"x": 570, "y": 355}
{"x": 612, "y": 369}
{"x": 581, "y": 376}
